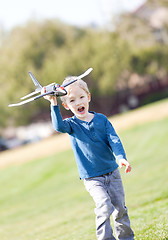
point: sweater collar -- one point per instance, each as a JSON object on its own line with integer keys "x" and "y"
{"x": 81, "y": 121}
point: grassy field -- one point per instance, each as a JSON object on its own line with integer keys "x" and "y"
{"x": 45, "y": 200}
{"x": 149, "y": 113}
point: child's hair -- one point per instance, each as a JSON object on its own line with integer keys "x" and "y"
{"x": 80, "y": 83}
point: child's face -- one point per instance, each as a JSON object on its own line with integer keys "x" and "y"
{"x": 77, "y": 101}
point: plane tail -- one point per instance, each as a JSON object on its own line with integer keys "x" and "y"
{"x": 37, "y": 85}
{"x": 35, "y": 81}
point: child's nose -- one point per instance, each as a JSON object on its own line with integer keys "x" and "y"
{"x": 78, "y": 101}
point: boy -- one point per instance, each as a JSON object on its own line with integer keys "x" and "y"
{"x": 95, "y": 145}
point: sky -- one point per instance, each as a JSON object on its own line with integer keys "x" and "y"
{"x": 75, "y": 12}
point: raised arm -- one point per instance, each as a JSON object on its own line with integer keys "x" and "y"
{"x": 59, "y": 124}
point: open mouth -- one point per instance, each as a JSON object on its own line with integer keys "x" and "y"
{"x": 81, "y": 109}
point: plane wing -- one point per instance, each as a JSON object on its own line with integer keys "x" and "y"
{"x": 30, "y": 94}
{"x": 21, "y": 103}
{"x": 50, "y": 89}
{"x": 29, "y": 100}
{"x": 78, "y": 77}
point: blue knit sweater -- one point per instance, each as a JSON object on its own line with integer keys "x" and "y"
{"x": 95, "y": 144}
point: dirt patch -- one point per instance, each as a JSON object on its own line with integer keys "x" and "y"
{"x": 44, "y": 148}
{"x": 149, "y": 113}
{"x": 61, "y": 142}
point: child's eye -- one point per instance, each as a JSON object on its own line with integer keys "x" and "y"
{"x": 82, "y": 97}
{"x": 71, "y": 100}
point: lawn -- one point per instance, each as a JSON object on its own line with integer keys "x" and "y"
{"x": 45, "y": 200}
{"x": 147, "y": 187}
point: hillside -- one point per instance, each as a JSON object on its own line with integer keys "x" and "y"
{"x": 59, "y": 143}
{"x": 45, "y": 200}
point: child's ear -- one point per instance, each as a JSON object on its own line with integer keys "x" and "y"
{"x": 65, "y": 106}
{"x": 89, "y": 97}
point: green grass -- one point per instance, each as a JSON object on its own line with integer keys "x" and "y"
{"x": 45, "y": 200}
{"x": 147, "y": 187}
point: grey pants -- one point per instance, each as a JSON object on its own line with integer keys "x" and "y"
{"x": 108, "y": 194}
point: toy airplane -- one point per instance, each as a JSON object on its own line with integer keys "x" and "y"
{"x": 51, "y": 89}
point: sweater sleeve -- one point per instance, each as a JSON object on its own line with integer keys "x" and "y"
{"x": 59, "y": 124}
{"x": 115, "y": 142}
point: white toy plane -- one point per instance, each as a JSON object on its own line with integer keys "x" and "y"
{"x": 51, "y": 89}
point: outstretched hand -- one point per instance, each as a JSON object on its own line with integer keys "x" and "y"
{"x": 50, "y": 98}
{"x": 125, "y": 163}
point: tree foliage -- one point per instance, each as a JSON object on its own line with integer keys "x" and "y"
{"x": 52, "y": 50}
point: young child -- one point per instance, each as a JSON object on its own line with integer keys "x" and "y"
{"x": 96, "y": 146}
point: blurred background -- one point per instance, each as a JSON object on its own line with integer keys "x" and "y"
{"x": 124, "y": 41}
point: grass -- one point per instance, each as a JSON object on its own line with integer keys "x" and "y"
{"x": 146, "y": 187}
{"x": 45, "y": 200}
